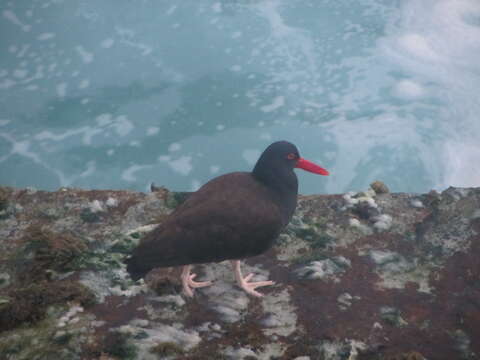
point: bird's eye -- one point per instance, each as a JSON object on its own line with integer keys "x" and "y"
{"x": 291, "y": 156}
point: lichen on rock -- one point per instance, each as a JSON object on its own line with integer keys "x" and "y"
{"x": 365, "y": 275}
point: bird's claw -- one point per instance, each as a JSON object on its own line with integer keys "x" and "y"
{"x": 250, "y": 287}
{"x": 189, "y": 285}
{"x": 198, "y": 284}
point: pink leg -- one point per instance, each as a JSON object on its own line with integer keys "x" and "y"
{"x": 188, "y": 283}
{"x": 249, "y": 287}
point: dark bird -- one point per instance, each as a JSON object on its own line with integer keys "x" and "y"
{"x": 232, "y": 217}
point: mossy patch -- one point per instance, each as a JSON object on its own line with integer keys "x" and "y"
{"x": 4, "y": 203}
{"x": 309, "y": 257}
{"x": 43, "y": 340}
{"x": 173, "y": 199}
{"x": 45, "y": 253}
{"x": 379, "y": 187}
{"x": 4, "y": 195}
{"x": 117, "y": 344}
{"x": 29, "y": 343}
{"x": 392, "y": 316}
{"x": 63, "y": 338}
{"x": 407, "y": 356}
{"x": 165, "y": 284}
{"x": 125, "y": 244}
{"x": 88, "y": 216}
{"x": 166, "y": 349}
{"x": 28, "y": 304}
{"x": 316, "y": 239}
{"x": 4, "y": 280}
{"x": 44, "y": 250}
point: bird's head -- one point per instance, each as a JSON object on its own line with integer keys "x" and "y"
{"x": 284, "y": 155}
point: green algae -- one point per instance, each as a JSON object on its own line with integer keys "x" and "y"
{"x": 318, "y": 249}
{"x": 117, "y": 344}
{"x": 88, "y": 216}
{"x": 406, "y": 356}
{"x": 4, "y": 203}
{"x": 379, "y": 187}
{"x": 173, "y": 199}
{"x": 313, "y": 233}
{"x": 44, "y": 254}
{"x": 392, "y": 316}
{"x": 167, "y": 349}
{"x": 63, "y": 338}
{"x": 309, "y": 257}
{"x": 125, "y": 244}
{"x": 4, "y": 280}
{"x": 42, "y": 340}
{"x": 45, "y": 250}
{"x": 315, "y": 238}
{"x": 29, "y": 304}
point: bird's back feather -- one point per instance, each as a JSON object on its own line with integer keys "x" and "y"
{"x": 231, "y": 217}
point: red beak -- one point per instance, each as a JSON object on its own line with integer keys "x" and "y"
{"x": 311, "y": 167}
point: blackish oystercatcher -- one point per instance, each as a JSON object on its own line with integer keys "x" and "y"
{"x": 233, "y": 216}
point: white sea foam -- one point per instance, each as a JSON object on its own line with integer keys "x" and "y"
{"x": 214, "y": 169}
{"x": 122, "y": 125}
{"x": 86, "y": 56}
{"x": 386, "y": 107}
{"x": 62, "y": 89}
{"x": 195, "y": 185}
{"x": 104, "y": 119}
{"x": 182, "y": 165}
{"x": 144, "y": 48}
{"x": 386, "y": 131}
{"x": 153, "y": 130}
{"x": 174, "y": 147}
{"x": 171, "y": 9}
{"x": 21, "y": 53}
{"x": 7, "y": 83}
{"x": 85, "y": 83}
{"x": 129, "y": 173}
{"x": 251, "y": 155}
{"x": 107, "y": 43}
{"x": 45, "y": 36}
{"x": 442, "y": 48}
{"x": 277, "y": 103}
{"x": 408, "y": 89}
{"x": 87, "y": 132}
{"x": 90, "y": 169}
{"x": 289, "y": 51}
{"x": 419, "y": 46}
{"x": 461, "y": 161}
{"x": 20, "y": 73}
{"x": 10, "y": 15}
{"x": 217, "y": 7}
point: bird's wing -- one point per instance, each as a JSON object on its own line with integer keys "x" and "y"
{"x": 220, "y": 221}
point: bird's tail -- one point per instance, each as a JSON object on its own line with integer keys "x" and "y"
{"x": 135, "y": 269}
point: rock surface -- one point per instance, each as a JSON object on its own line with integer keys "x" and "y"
{"x": 358, "y": 276}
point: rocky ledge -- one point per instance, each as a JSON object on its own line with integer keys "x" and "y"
{"x": 370, "y": 275}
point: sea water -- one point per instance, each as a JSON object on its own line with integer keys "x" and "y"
{"x": 119, "y": 94}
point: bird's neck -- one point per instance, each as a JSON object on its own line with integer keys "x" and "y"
{"x": 283, "y": 184}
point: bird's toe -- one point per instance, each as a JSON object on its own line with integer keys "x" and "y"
{"x": 187, "y": 291}
{"x": 250, "y": 287}
{"x": 197, "y": 284}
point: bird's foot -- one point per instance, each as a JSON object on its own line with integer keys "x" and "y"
{"x": 250, "y": 287}
{"x": 189, "y": 285}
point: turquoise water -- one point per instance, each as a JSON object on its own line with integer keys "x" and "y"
{"x": 119, "y": 94}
